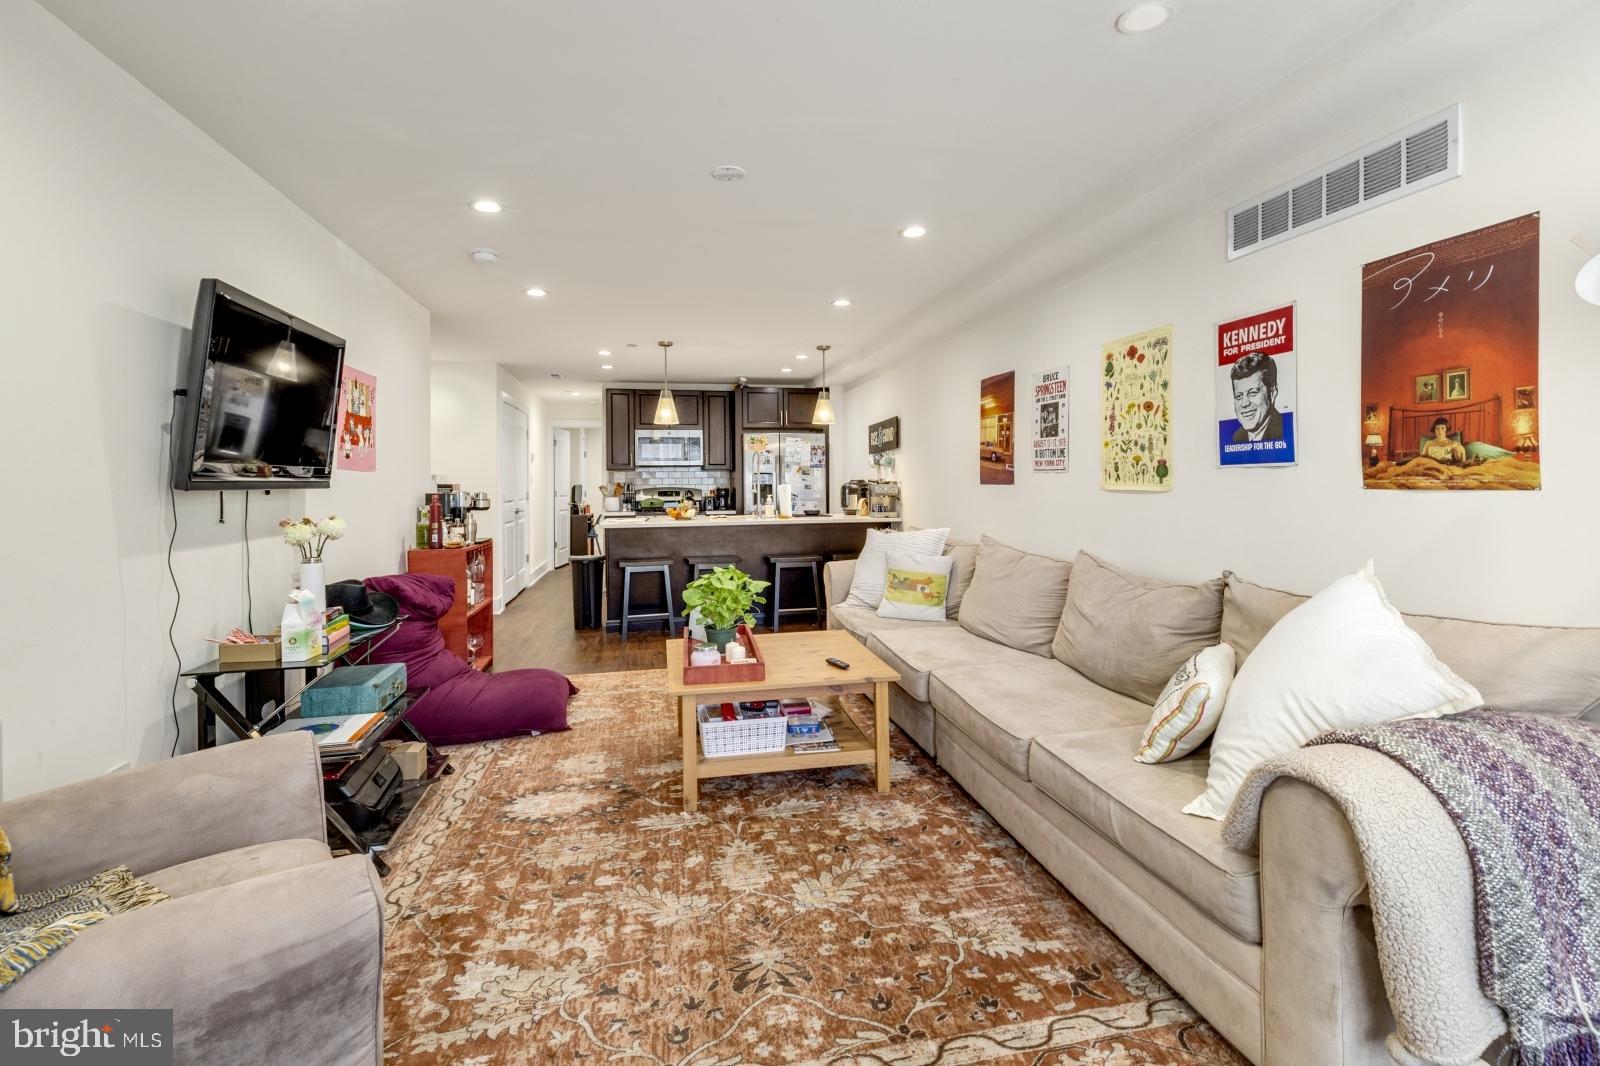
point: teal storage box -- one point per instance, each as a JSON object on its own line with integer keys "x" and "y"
{"x": 353, "y": 690}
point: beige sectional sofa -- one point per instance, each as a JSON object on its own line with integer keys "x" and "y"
{"x": 1276, "y": 951}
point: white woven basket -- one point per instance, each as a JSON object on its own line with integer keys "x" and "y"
{"x": 747, "y": 736}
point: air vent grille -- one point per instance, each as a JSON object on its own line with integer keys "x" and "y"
{"x": 1410, "y": 160}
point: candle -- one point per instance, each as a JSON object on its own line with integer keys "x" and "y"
{"x": 705, "y": 655}
{"x": 736, "y": 652}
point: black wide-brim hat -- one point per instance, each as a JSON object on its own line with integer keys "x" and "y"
{"x": 365, "y": 607}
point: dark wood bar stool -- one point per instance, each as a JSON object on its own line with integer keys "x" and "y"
{"x": 701, "y": 565}
{"x": 782, "y": 563}
{"x": 630, "y": 567}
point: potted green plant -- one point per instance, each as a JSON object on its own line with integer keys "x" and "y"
{"x": 724, "y": 598}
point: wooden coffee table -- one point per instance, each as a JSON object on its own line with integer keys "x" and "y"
{"x": 795, "y": 668}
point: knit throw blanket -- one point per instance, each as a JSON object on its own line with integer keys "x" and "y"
{"x": 1524, "y": 792}
{"x": 44, "y": 922}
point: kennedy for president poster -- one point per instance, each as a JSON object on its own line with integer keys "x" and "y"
{"x": 1256, "y": 389}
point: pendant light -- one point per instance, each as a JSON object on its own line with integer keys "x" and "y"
{"x": 823, "y": 415}
{"x": 285, "y": 362}
{"x": 666, "y": 410}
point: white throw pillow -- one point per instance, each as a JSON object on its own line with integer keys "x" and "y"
{"x": 1341, "y": 660}
{"x": 917, "y": 586}
{"x": 1187, "y": 712}
{"x": 866, "y": 587}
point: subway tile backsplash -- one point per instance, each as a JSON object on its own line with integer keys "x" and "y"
{"x": 676, "y": 476}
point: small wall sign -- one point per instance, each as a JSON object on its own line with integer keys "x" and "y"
{"x": 883, "y": 436}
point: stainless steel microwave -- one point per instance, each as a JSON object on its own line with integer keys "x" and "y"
{"x": 669, "y": 447}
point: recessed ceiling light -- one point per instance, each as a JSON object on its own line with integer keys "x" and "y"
{"x": 914, "y": 231}
{"x": 537, "y": 292}
{"x": 487, "y": 207}
{"x": 727, "y": 172}
{"x": 605, "y": 351}
{"x": 605, "y": 366}
{"x": 801, "y": 355}
{"x": 572, "y": 392}
{"x": 841, "y": 302}
{"x": 1142, "y": 18}
{"x": 788, "y": 370}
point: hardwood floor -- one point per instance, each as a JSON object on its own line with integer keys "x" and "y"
{"x": 536, "y": 630}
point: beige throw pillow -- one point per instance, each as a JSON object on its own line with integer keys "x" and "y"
{"x": 1130, "y": 633}
{"x": 966, "y": 561}
{"x": 1015, "y": 598}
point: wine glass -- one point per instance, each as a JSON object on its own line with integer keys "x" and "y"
{"x": 474, "y": 642}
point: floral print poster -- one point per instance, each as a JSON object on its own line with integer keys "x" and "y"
{"x": 1136, "y": 413}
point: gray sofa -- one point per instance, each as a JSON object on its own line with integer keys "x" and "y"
{"x": 1276, "y": 951}
{"x": 270, "y": 949}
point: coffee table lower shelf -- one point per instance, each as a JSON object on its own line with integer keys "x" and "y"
{"x": 855, "y": 749}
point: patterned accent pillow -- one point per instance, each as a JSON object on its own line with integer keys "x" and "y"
{"x": 1189, "y": 707}
{"x": 8, "y": 884}
{"x": 916, "y": 586}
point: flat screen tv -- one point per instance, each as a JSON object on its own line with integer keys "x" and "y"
{"x": 259, "y": 397}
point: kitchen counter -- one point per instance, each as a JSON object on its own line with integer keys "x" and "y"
{"x": 748, "y": 541}
{"x": 615, "y": 521}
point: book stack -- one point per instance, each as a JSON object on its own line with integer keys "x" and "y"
{"x": 335, "y": 632}
{"x": 336, "y": 735}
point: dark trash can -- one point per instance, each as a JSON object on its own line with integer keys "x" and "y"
{"x": 588, "y": 581}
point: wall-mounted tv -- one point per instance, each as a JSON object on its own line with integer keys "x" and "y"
{"x": 261, "y": 392}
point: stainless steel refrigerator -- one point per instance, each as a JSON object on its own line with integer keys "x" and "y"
{"x": 785, "y": 457}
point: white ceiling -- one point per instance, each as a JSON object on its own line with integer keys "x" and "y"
{"x": 597, "y": 123}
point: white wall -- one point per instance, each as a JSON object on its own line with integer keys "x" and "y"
{"x": 114, "y": 208}
{"x": 464, "y": 428}
{"x": 1525, "y": 557}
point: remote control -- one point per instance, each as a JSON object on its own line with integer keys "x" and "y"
{"x": 837, "y": 664}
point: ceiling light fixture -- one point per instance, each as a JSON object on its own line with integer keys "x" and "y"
{"x": 487, "y": 207}
{"x": 787, "y": 370}
{"x": 822, "y": 415}
{"x": 728, "y": 172}
{"x": 801, "y": 355}
{"x": 537, "y": 293}
{"x": 1142, "y": 18}
{"x": 605, "y": 366}
{"x": 666, "y": 410}
{"x": 604, "y": 351}
{"x": 484, "y": 256}
{"x": 572, "y": 392}
{"x": 914, "y": 231}
{"x": 841, "y": 302}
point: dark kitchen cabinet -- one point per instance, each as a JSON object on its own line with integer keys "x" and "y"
{"x": 619, "y": 429}
{"x": 687, "y": 403}
{"x": 800, "y": 407}
{"x": 717, "y": 416}
{"x": 761, "y": 408}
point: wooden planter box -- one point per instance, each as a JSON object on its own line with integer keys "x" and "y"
{"x": 754, "y": 668}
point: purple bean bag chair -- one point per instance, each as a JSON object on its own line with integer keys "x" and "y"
{"x": 462, "y": 704}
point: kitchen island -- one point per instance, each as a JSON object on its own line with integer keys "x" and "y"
{"x": 748, "y": 539}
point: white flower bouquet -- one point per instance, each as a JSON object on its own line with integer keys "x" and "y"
{"x": 309, "y": 536}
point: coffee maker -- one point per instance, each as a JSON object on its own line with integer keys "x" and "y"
{"x": 883, "y": 498}
{"x": 851, "y": 493}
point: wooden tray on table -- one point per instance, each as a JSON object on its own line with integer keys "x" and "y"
{"x": 754, "y": 667}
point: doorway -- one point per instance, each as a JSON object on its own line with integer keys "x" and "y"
{"x": 561, "y": 480}
{"x": 513, "y": 553}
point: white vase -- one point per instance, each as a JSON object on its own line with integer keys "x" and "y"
{"x": 312, "y": 580}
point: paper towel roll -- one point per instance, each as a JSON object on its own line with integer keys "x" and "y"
{"x": 786, "y": 501}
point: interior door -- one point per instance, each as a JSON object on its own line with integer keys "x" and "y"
{"x": 513, "y": 553}
{"x": 561, "y": 450}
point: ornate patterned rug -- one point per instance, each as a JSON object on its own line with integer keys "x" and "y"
{"x": 551, "y": 902}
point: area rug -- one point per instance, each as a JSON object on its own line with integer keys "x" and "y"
{"x": 552, "y": 902}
